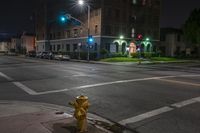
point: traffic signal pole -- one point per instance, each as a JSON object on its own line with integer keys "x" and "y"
{"x": 88, "y": 55}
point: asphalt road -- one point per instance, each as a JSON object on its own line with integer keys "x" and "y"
{"x": 146, "y": 98}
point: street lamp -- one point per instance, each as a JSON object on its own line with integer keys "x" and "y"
{"x": 81, "y": 3}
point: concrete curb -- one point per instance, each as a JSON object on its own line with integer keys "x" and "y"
{"x": 35, "y": 107}
{"x": 12, "y": 109}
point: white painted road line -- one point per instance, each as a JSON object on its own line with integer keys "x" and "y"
{"x": 25, "y": 88}
{"x": 100, "y": 84}
{"x": 184, "y": 103}
{"x": 197, "y": 99}
{"x": 110, "y": 83}
{"x": 180, "y": 82}
{"x": 5, "y": 76}
{"x": 145, "y": 115}
{"x": 159, "y": 111}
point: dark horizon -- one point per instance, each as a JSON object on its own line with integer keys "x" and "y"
{"x": 16, "y": 17}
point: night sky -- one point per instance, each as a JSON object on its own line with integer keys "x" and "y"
{"x": 15, "y": 14}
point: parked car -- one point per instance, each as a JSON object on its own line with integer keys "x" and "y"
{"x": 11, "y": 54}
{"x": 31, "y": 53}
{"x": 43, "y": 55}
{"x": 61, "y": 57}
{"x": 38, "y": 54}
{"x": 50, "y": 55}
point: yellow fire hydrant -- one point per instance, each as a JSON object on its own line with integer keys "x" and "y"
{"x": 81, "y": 105}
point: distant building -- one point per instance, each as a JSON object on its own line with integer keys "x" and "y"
{"x": 4, "y": 46}
{"x": 172, "y": 43}
{"x": 109, "y": 19}
{"x": 27, "y": 43}
{"x": 15, "y": 45}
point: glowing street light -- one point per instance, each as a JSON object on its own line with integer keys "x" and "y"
{"x": 80, "y": 2}
{"x": 121, "y": 37}
{"x": 147, "y": 39}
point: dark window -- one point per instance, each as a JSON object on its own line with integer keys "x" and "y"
{"x": 75, "y": 32}
{"x": 54, "y": 47}
{"x": 59, "y": 34}
{"x": 108, "y": 30}
{"x": 96, "y": 29}
{"x": 68, "y": 33}
{"x": 75, "y": 47}
{"x": 58, "y": 47}
{"x": 162, "y": 38}
{"x": 107, "y": 46}
{"x": 95, "y": 46}
{"x": 178, "y": 38}
{"x": 117, "y": 14}
{"x": 67, "y": 47}
{"x": 96, "y": 12}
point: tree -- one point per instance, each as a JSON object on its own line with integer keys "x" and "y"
{"x": 191, "y": 29}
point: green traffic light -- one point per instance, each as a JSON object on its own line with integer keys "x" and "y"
{"x": 63, "y": 19}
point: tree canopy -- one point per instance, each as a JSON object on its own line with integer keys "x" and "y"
{"x": 191, "y": 27}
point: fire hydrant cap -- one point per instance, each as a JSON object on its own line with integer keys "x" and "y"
{"x": 82, "y": 97}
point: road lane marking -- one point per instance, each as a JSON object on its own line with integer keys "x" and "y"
{"x": 25, "y": 88}
{"x": 159, "y": 111}
{"x": 146, "y": 115}
{"x": 100, "y": 84}
{"x": 197, "y": 99}
{"x": 184, "y": 103}
{"x": 110, "y": 83}
{"x": 5, "y": 76}
{"x": 179, "y": 82}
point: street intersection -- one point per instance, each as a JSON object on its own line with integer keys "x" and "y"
{"x": 145, "y": 98}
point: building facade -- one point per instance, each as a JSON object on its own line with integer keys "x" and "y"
{"x": 109, "y": 19}
{"x": 172, "y": 43}
{"x": 15, "y": 45}
{"x": 27, "y": 43}
{"x": 4, "y": 46}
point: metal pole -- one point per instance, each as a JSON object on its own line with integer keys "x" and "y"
{"x": 88, "y": 55}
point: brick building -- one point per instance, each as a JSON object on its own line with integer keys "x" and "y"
{"x": 109, "y": 19}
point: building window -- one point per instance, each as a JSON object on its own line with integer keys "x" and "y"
{"x": 59, "y": 34}
{"x": 75, "y": 47}
{"x": 117, "y": 14}
{"x": 107, "y": 46}
{"x": 67, "y": 47}
{"x": 58, "y": 47}
{"x": 96, "y": 29}
{"x": 75, "y": 32}
{"x": 68, "y": 33}
{"x": 178, "y": 38}
{"x": 96, "y": 12}
{"x": 51, "y": 36}
{"x": 108, "y": 30}
{"x": 95, "y": 46}
{"x": 81, "y": 31}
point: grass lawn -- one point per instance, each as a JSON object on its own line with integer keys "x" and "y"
{"x": 120, "y": 59}
{"x": 126, "y": 59}
{"x": 163, "y": 59}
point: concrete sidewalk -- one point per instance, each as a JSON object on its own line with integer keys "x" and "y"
{"x": 30, "y": 117}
